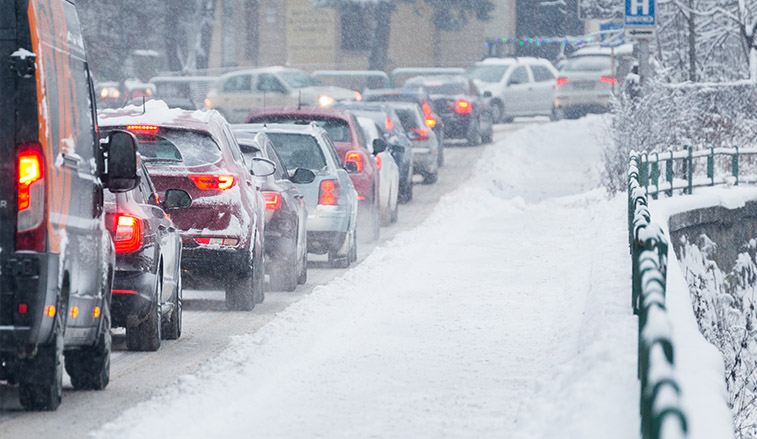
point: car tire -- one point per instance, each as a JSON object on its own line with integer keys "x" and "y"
{"x": 284, "y": 276}
{"x": 498, "y": 111}
{"x": 395, "y": 212}
{"x": 302, "y": 278}
{"x": 172, "y": 326}
{"x": 40, "y": 385}
{"x": 474, "y": 136}
{"x": 89, "y": 368}
{"x": 146, "y": 335}
{"x": 337, "y": 260}
{"x": 406, "y": 191}
{"x": 352, "y": 255}
{"x": 431, "y": 177}
{"x": 240, "y": 292}
{"x": 556, "y": 114}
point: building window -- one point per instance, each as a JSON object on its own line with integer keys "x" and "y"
{"x": 356, "y": 28}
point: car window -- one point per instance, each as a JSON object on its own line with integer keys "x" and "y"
{"x": 238, "y": 84}
{"x": 193, "y": 148}
{"x": 486, "y": 73}
{"x": 360, "y": 134}
{"x": 518, "y": 76}
{"x": 542, "y": 74}
{"x": 439, "y": 87}
{"x": 408, "y": 118}
{"x": 281, "y": 172}
{"x": 331, "y": 148}
{"x": 299, "y": 79}
{"x": 299, "y": 151}
{"x": 337, "y": 128}
{"x": 587, "y": 64}
{"x": 268, "y": 83}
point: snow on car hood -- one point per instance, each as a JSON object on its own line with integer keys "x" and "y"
{"x": 338, "y": 93}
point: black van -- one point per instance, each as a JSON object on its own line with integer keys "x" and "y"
{"x": 56, "y": 256}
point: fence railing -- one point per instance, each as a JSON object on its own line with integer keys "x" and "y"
{"x": 675, "y": 170}
{"x": 661, "y": 414}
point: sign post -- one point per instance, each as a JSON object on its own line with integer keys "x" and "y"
{"x": 640, "y": 23}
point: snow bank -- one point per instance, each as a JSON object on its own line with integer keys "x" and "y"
{"x": 505, "y": 314}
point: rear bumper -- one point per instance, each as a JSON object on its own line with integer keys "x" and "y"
{"x": 457, "y": 127}
{"x": 324, "y": 242}
{"x": 133, "y": 294}
{"x": 583, "y": 100}
{"x": 328, "y": 219}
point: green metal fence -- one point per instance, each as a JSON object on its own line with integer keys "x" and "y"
{"x": 661, "y": 414}
{"x": 675, "y": 170}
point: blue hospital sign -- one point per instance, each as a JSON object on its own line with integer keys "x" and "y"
{"x": 640, "y": 13}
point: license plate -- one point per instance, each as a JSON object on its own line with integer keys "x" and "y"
{"x": 584, "y": 85}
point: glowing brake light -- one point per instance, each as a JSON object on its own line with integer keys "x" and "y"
{"x": 378, "y": 162}
{"x": 608, "y": 80}
{"x": 128, "y": 234}
{"x": 213, "y": 182}
{"x": 426, "y": 108}
{"x": 463, "y": 107}
{"x": 142, "y": 128}
{"x": 389, "y": 124}
{"x": 422, "y": 133}
{"x": 356, "y": 157}
{"x": 30, "y": 225}
{"x": 272, "y": 200}
{"x": 430, "y": 121}
{"x": 329, "y": 193}
{"x": 561, "y": 81}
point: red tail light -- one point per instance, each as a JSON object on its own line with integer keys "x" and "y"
{"x": 272, "y": 200}
{"x": 426, "y": 108}
{"x": 389, "y": 124}
{"x": 561, "y": 81}
{"x": 31, "y": 232}
{"x": 356, "y": 157}
{"x": 609, "y": 80}
{"x": 463, "y": 107}
{"x": 378, "y": 162}
{"x": 430, "y": 121}
{"x": 422, "y": 133}
{"x": 213, "y": 182}
{"x": 142, "y": 128}
{"x": 128, "y": 234}
{"x": 329, "y": 194}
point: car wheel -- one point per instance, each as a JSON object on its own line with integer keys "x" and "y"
{"x": 498, "y": 110}
{"x": 302, "y": 278}
{"x": 337, "y": 259}
{"x": 556, "y": 114}
{"x": 386, "y": 213}
{"x": 474, "y": 136}
{"x": 89, "y": 368}
{"x": 431, "y": 177}
{"x": 352, "y": 256}
{"x": 258, "y": 292}
{"x": 395, "y": 211}
{"x": 146, "y": 335}
{"x": 172, "y": 326}
{"x": 406, "y": 191}
{"x": 239, "y": 292}
{"x": 40, "y": 385}
{"x": 284, "y": 275}
{"x": 440, "y": 156}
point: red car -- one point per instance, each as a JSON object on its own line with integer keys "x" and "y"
{"x": 343, "y": 130}
{"x": 222, "y": 231}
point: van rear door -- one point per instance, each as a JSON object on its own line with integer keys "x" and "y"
{"x": 7, "y": 133}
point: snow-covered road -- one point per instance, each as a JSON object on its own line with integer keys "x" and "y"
{"x": 505, "y": 314}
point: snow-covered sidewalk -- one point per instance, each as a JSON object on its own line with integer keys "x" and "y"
{"x": 505, "y": 314}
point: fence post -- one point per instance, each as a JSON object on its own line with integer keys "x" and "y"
{"x": 669, "y": 174}
{"x": 690, "y": 168}
{"x": 655, "y": 174}
{"x": 711, "y": 166}
{"x": 644, "y": 171}
{"x": 735, "y": 165}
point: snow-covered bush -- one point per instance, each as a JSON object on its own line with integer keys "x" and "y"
{"x": 724, "y": 305}
{"x": 672, "y": 116}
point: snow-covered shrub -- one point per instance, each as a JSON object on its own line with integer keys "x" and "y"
{"x": 724, "y": 305}
{"x": 672, "y": 116}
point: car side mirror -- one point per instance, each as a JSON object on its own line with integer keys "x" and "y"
{"x": 351, "y": 167}
{"x": 398, "y": 149}
{"x": 302, "y": 176}
{"x": 487, "y": 94}
{"x": 412, "y": 135}
{"x": 176, "y": 199}
{"x": 379, "y": 146}
{"x": 262, "y": 167}
{"x": 121, "y": 147}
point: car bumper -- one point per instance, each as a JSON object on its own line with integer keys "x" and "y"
{"x": 324, "y": 242}
{"x": 599, "y": 100}
{"x": 133, "y": 295}
{"x": 457, "y": 127}
{"x": 328, "y": 219}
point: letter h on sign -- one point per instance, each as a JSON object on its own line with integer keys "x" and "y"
{"x": 639, "y": 4}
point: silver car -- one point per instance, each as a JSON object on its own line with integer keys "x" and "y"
{"x": 331, "y": 198}
{"x": 426, "y": 159}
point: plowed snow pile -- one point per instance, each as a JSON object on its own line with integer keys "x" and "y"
{"x": 505, "y": 314}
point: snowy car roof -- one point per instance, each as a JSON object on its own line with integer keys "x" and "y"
{"x": 157, "y": 112}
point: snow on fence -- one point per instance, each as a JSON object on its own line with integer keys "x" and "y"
{"x": 660, "y": 406}
{"x": 650, "y": 165}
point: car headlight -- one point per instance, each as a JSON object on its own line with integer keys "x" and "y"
{"x": 325, "y": 101}
{"x": 358, "y": 96}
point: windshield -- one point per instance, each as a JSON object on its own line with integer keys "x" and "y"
{"x": 587, "y": 64}
{"x": 299, "y": 151}
{"x": 193, "y": 148}
{"x": 297, "y": 79}
{"x": 408, "y": 118}
{"x": 486, "y": 73}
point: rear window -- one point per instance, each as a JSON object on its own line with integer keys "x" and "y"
{"x": 439, "y": 88}
{"x": 408, "y": 118}
{"x": 192, "y": 148}
{"x": 299, "y": 151}
{"x": 486, "y": 73}
{"x": 338, "y": 129}
{"x": 587, "y": 64}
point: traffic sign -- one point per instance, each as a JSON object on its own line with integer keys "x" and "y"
{"x": 639, "y": 33}
{"x": 611, "y": 34}
{"x": 640, "y": 13}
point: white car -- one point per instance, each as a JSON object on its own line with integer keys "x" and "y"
{"x": 519, "y": 86}
{"x": 235, "y": 94}
{"x": 389, "y": 172}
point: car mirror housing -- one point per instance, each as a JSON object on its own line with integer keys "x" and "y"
{"x": 379, "y": 146}
{"x": 302, "y": 176}
{"x": 262, "y": 167}
{"x": 121, "y": 147}
{"x": 176, "y": 199}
